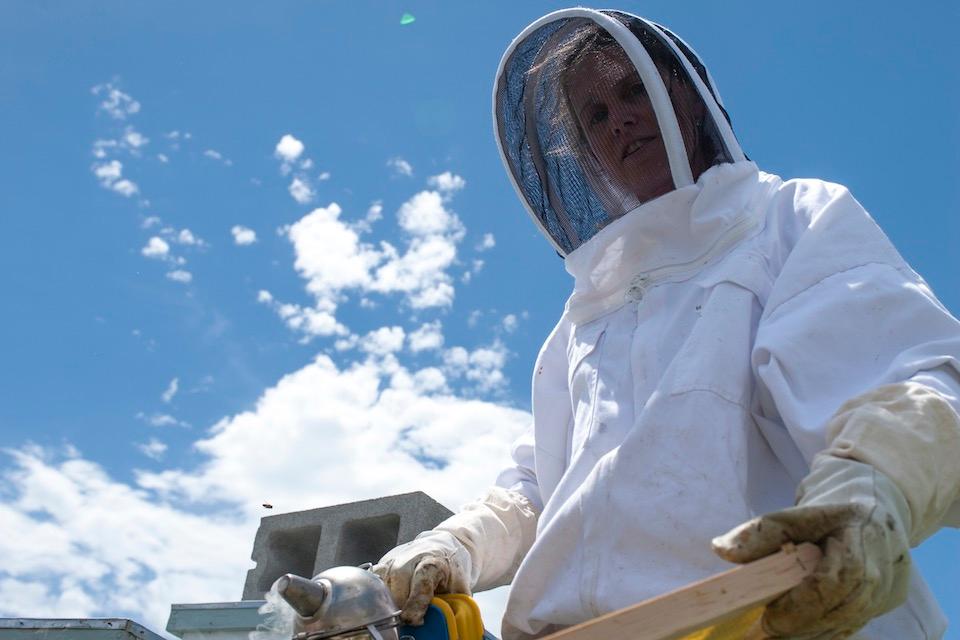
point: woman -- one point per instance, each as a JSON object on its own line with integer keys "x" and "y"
{"x": 739, "y": 353}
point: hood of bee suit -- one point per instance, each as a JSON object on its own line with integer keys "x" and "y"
{"x": 608, "y": 123}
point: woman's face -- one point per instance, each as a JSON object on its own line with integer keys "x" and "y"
{"x": 616, "y": 117}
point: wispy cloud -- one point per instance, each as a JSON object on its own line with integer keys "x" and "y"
{"x": 400, "y": 166}
{"x": 428, "y": 336}
{"x": 243, "y": 236}
{"x": 213, "y": 154}
{"x": 110, "y": 176}
{"x": 301, "y": 191}
{"x": 482, "y": 366}
{"x": 290, "y": 151}
{"x": 156, "y": 247}
{"x": 171, "y": 390}
{"x": 115, "y": 103}
{"x": 161, "y": 420}
{"x": 180, "y": 275}
{"x": 153, "y": 448}
{"x": 447, "y": 183}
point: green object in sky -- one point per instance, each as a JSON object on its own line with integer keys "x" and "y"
{"x": 407, "y": 19}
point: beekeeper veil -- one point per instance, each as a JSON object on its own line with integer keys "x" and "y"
{"x": 598, "y": 112}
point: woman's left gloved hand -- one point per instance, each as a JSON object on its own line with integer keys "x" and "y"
{"x": 888, "y": 479}
{"x": 861, "y": 522}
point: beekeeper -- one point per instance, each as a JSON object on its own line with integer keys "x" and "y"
{"x": 740, "y": 354}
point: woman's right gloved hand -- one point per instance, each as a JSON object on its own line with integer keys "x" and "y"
{"x": 434, "y": 562}
{"x": 478, "y": 548}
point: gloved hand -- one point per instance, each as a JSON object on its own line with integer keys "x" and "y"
{"x": 861, "y": 521}
{"x": 478, "y": 548}
{"x": 434, "y": 562}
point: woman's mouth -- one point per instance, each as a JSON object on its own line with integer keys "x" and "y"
{"x": 637, "y": 145}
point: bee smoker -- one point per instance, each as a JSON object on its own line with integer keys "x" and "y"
{"x": 339, "y": 604}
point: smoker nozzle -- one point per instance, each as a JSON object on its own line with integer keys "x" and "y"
{"x": 305, "y": 596}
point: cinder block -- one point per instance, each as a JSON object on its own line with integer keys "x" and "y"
{"x": 307, "y": 542}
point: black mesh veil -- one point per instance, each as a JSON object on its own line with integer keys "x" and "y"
{"x": 597, "y": 113}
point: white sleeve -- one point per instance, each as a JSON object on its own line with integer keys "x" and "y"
{"x": 845, "y": 316}
{"x": 850, "y": 333}
{"x": 521, "y": 476}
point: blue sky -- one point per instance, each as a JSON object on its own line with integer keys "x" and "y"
{"x": 127, "y": 264}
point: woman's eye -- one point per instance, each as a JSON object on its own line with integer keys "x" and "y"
{"x": 637, "y": 90}
{"x": 598, "y": 115}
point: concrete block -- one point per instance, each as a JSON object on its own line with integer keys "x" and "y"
{"x": 74, "y": 629}
{"x": 307, "y": 542}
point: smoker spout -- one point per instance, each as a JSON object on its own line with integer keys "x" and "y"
{"x": 305, "y": 596}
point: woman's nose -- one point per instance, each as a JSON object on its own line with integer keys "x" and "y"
{"x": 621, "y": 120}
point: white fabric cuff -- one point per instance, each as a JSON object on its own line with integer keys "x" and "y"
{"x": 497, "y": 530}
{"x": 912, "y": 435}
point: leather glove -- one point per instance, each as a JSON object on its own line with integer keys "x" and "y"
{"x": 434, "y": 562}
{"x": 476, "y": 549}
{"x": 861, "y": 522}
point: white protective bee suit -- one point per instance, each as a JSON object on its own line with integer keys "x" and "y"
{"x": 703, "y": 360}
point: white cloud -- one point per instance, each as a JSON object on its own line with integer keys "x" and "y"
{"x": 59, "y": 563}
{"x": 185, "y": 236}
{"x": 156, "y": 247}
{"x": 329, "y": 254}
{"x": 323, "y": 176}
{"x": 428, "y": 336}
{"x": 400, "y": 166}
{"x": 482, "y": 366}
{"x": 216, "y": 155}
{"x": 109, "y": 174}
{"x": 333, "y": 260}
{"x": 243, "y": 236}
{"x": 171, "y": 390}
{"x": 421, "y": 271}
{"x": 100, "y": 148}
{"x": 162, "y": 157}
{"x": 301, "y": 191}
{"x": 346, "y": 343}
{"x": 153, "y": 448}
{"x": 510, "y": 323}
{"x": 116, "y": 104}
{"x": 125, "y": 187}
{"x": 424, "y": 215}
{"x": 311, "y": 321}
{"x": 486, "y": 242}
{"x": 383, "y": 341}
{"x": 447, "y": 182}
{"x": 149, "y": 222}
{"x": 430, "y": 380}
{"x": 180, "y": 275}
{"x": 161, "y": 420}
{"x": 374, "y": 213}
{"x": 288, "y": 149}
{"x": 133, "y": 139}
{"x": 370, "y": 413}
